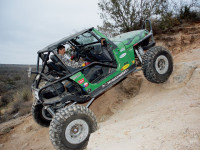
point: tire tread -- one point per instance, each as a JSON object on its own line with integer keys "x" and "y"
{"x": 36, "y": 110}
{"x": 61, "y": 116}
{"x": 148, "y": 63}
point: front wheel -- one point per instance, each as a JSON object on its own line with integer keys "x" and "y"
{"x": 157, "y": 64}
{"x": 71, "y": 127}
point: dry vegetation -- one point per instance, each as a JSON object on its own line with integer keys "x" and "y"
{"x": 15, "y": 92}
{"x": 128, "y": 15}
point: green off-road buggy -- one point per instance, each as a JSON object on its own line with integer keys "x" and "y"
{"x": 59, "y": 88}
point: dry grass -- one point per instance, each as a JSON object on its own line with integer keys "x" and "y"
{"x": 15, "y": 92}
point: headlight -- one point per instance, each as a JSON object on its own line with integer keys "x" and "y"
{"x": 36, "y": 94}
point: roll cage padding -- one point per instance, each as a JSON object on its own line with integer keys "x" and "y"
{"x": 53, "y": 66}
{"x": 54, "y": 58}
{"x": 44, "y": 57}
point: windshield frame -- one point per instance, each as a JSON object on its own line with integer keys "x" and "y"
{"x": 76, "y": 43}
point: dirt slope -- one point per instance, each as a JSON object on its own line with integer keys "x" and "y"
{"x": 160, "y": 116}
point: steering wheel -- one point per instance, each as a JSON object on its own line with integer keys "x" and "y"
{"x": 77, "y": 56}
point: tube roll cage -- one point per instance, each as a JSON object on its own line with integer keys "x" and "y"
{"x": 50, "y": 48}
{"x": 69, "y": 75}
{"x": 148, "y": 36}
{"x": 44, "y": 63}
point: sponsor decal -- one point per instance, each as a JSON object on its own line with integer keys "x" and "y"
{"x": 123, "y": 49}
{"x": 76, "y": 76}
{"x": 133, "y": 61}
{"x": 81, "y": 81}
{"x": 122, "y": 55}
{"x": 114, "y": 79}
{"x": 125, "y": 67}
{"x": 85, "y": 85}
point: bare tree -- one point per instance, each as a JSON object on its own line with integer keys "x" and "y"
{"x": 127, "y": 15}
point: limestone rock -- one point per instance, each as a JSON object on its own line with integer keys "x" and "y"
{"x": 193, "y": 84}
{"x": 3, "y": 111}
{"x": 181, "y": 75}
{"x": 1, "y": 145}
{"x": 28, "y": 128}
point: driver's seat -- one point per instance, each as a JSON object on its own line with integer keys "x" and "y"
{"x": 100, "y": 53}
{"x": 61, "y": 66}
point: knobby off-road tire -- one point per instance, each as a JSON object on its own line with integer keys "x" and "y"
{"x": 157, "y": 64}
{"x": 70, "y": 128}
{"x": 40, "y": 115}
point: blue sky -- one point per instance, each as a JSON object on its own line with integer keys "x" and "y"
{"x": 27, "y": 26}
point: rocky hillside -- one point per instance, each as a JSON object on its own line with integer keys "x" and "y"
{"x": 140, "y": 115}
{"x": 182, "y": 38}
{"x": 163, "y": 116}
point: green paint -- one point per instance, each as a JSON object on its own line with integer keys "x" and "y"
{"x": 124, "y": 55}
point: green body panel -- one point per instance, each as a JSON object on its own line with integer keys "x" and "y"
{"x": 130, "y": 38}
{"x": 126, "y": 41}
{"x": 124, "y": 56}
{"x": 80, "y": 79}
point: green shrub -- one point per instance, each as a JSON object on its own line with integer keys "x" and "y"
{"x": 186, "y": 14}
{"x": 6, "y": 98}
{"x": 15, "y": 107}
{"x": 26, "y": 94}
{"x": 22, "y": 98}
{"x": 17, "y": 78}
{"x": 15, "y": 92}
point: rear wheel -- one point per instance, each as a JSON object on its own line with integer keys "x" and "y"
{"x": 157, "y": 64}
{"x": 71, "y": 127}
{"x": 41, "y": 115}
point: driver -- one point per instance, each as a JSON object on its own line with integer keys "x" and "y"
{"x": 65, "y": 58}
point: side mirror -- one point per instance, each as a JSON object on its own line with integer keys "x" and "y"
{"x": 29, "y": 72}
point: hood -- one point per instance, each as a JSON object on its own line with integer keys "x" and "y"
{"x": 130, "y": 38}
